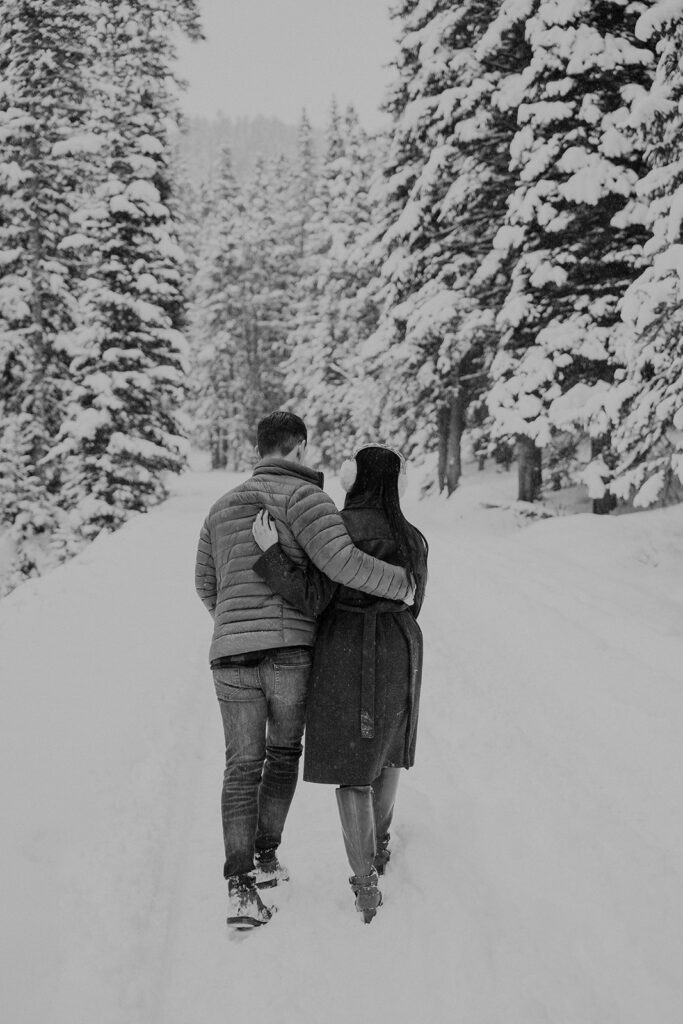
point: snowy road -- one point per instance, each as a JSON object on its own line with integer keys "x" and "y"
{"x": 538, "y": 869}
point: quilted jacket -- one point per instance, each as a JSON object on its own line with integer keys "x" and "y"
{"x": 247, "y": 615}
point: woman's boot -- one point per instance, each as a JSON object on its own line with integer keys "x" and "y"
{"x": 384, "y": 790}
{"x": 358, "y": 828}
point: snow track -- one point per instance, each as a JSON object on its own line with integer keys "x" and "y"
{"x": 538, "y": 850}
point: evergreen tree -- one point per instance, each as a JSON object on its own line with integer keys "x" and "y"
{"x": 446, "y": 180}
{"x": 331, "y": 315}
{"x": 265, "y": 321}
{"x": 219, "y": 377}
{"x": 304, "y": 179}
{"x": 573, "y": 224}
{"x": 43, "y": 94}
{"x": 121, "y": 433}
{"x": 649, "y": 439}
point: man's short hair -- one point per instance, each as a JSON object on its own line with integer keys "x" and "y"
{"x": 280, "y": 432}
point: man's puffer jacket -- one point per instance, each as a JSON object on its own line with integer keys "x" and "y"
{"x": 248, "y": 616}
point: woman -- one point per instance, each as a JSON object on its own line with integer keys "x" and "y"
{"x": 365, "y": 680}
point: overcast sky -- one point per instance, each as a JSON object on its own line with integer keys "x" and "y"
{"x": 276, "y": 57}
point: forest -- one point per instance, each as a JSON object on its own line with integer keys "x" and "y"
{"x": 498, "y": 273}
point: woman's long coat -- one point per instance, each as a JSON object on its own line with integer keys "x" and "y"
{"x": 364, "y": 691}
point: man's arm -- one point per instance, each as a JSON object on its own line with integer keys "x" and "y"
{"x": 306, "y": 589}
{"x": 319, "y": 529}
{"x": 205, "y": 571}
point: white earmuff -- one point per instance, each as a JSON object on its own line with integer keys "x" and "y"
{"x": 348, "y": 473}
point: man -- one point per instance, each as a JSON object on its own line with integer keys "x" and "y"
{"x": 261, "y": 648}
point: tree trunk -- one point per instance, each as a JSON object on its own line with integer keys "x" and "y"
{"x": 40, "y": 351}
{"x": 442, "y": 424}
{"x": 528, "y": 469}
{"x": 219, "y": 449}
{"x": 456, "y": 420}
{"x": 607, "y": 503}
{"x": 450, "y": 422}
{"x": 215, "y": 455}
{"x": 603, "y": 506}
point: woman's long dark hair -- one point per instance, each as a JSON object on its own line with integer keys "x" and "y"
{"x": 377, "y": 484}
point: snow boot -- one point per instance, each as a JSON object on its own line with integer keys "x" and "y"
{"x": 367, "y": 893}
{"x": 246, "y": 909}
{"x": 358, "y": 829}
{"x": 268, "y": 870}
{"x": 384, "y": 790}
{"x": 383, "y": 855}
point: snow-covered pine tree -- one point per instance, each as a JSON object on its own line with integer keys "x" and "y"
{"x": 189, "y": 209}
{"x": 445, "y": 184}
{"x": 265, "y": 323}
{"x": 44, "y": 56}
{"x": 484, "y": 141}
{"x": 648, "y": 442}
{"x": 357, "y": 397}
{"x": 219, "y": 369}
{"x": 284, "y": 262}
{"x": 304, "y": 176}
{"x": 121, "y": 434}
{"x": 574, "y": 224}
{"x": 331, "y": 312}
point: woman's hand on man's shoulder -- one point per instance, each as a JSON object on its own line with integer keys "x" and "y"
{"x": 264, "y": 530}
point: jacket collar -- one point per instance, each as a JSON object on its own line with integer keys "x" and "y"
{"x": 275, "y": 464}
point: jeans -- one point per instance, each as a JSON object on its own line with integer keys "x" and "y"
{"x": 263, "y": 709}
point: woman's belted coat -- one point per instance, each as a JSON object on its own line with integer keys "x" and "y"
{"x": 364, "y": 691}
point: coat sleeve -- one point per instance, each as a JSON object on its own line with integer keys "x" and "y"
{"x": 304, "y": 587}
{"x": 318, "y": 527}
{"x": 205, "y": 570}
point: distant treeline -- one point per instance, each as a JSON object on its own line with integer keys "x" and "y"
{"x": 248, "y": 139}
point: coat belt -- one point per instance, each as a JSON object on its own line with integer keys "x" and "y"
{"x": 368, "y": 661}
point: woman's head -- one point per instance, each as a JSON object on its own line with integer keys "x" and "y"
{"x": 375, "y": 476}
{"x": 376, "y": 470}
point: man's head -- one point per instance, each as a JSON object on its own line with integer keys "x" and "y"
{"x": 282, "y": 433}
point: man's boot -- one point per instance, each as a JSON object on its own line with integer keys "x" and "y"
{"x": 268, "y": 871}
{"x": 384, "y": 790}
{"x": 246, "y": 909}
{"x": 358, "y": 828}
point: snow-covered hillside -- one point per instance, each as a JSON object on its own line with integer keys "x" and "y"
{"x": 538, "y": 868}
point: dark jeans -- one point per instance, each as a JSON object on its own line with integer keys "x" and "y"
{"x": 263, "y": 708}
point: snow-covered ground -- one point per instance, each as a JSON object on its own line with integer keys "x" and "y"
{"x": 538, "y": 858}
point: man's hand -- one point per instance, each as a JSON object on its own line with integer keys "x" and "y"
{"x": 264, "y": 530}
